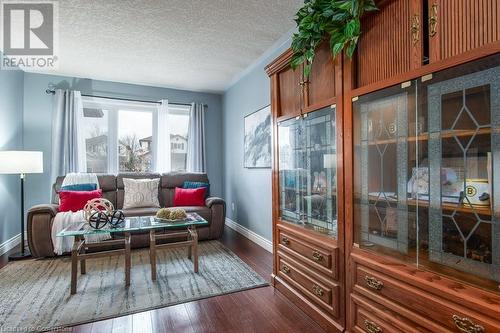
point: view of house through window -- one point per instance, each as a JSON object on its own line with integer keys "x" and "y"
{"x": 135, "y": 137}
{"x": 119, "y": 136}
{"x": 95, "y": 132}
{"x": 178, "y": 123}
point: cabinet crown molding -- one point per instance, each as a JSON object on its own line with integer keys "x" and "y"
{"x": 279, "y": 63}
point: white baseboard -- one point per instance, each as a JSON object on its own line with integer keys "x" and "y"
{"x": 256, "y": 238}
{"x": 10, "y": 244}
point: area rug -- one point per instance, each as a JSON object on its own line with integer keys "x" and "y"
{"x": 35, "y": 294}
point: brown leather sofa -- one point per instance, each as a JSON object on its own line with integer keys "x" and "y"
{"x": 40, "y": 217}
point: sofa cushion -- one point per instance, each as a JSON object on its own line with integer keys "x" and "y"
{"x": 177, "y": 179}
{"x": 140, "y": 193}
{"x": 79, "y": 187}
{"x": 189, "y": 196}
{"x": 120, "y": 186}
{"x": 73, "y": 201}
{"x": 171, "y": 180}
{"x": 190, "y": 184}
{"x": 143, "y": 211}
{"x": 107, "y": 183}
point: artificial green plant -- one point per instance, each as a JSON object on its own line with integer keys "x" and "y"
{"x": 338, "y": 20}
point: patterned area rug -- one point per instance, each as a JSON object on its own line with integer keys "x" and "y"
{"x": 35, "y": 294}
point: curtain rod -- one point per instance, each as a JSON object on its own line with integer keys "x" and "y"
{"x": 52, "y": 92}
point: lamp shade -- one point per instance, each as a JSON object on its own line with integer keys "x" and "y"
{"x": 17, "y": 162}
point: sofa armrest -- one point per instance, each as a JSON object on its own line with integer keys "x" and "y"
{"x": 214, "y": 201}
{"x": 218, "y": 208}
{"x": 51, "y": 209}
{"x": 40, "y": 219}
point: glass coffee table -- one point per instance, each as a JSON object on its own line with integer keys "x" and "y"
{"x": 129, "y": 226}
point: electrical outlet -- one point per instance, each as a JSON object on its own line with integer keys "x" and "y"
{"x": 232, "y": 206}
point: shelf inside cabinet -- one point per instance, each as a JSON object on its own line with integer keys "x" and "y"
{"x": 448, "y": 207}
{"x": 425, "y": 136}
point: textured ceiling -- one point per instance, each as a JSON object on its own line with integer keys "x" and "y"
{"x": 188, "y": 44}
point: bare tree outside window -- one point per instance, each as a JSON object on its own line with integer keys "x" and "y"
{"x": 135, "y": 137}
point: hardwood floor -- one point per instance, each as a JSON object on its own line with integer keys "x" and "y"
{"x": 257, "y": 310}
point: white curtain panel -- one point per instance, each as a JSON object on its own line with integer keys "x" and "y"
{"x": 196, "y": 152}
{"x": 68, "y": 146}
{"x": 162, "y": 145}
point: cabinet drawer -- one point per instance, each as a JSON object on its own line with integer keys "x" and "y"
{"x": 373, "y": 318}
{"x": 319, "y": 258}
{"x": 312, "y": 285}
{"x": 435, "y": 311}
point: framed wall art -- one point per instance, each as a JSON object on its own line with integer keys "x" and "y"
{"x": 258, "y": 139}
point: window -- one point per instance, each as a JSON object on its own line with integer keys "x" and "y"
{"x": 120, "y": 136}
{"x": 95, "y": 132}
{"x": 178, "y": 126}
{"x": 135, "y": 135}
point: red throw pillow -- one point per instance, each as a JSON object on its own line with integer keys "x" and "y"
{"x": 73, "y": 201}
{"x": 189, "y": 196}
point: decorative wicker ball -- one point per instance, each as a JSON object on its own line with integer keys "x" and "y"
{"x": 171, "y": 213}
{"x": 98, "y": 220}
{"x": 97, "y": 205}
{"x": 177, "y": 214}
{"x": 163, "y": 213}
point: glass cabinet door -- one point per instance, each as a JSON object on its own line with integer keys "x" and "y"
{"x": 425, "y": 158}
{"x": 460, "y": 217}
{"x": 383, "y": 220}
{"x": 307, "y": 171}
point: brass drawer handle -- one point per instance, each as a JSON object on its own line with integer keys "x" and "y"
{"x": 373, "y": 283}
{"x": 415, "y": 28}
{"x": 286, "y": 269}
{"x": 317, "y": 290}
{"x": 371, "y": 327}
{"x": 285, "y": 241}
{"x": 433, "y": 19}
{"x": 466, "y": 325}
{"x": 317, "y": 256}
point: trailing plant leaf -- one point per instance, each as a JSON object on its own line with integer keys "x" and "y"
{"x": 351, "y": 47}
{"x": 340, "y": 19}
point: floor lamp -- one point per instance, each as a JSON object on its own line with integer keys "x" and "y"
{"x": 21, "y": 163}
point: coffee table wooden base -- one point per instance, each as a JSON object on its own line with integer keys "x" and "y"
{"x": 78, "y": 253}
{"x": 191, "y": 243}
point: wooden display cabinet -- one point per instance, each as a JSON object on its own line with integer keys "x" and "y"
{"x": 422, "y": 249}
{"x": 456, "y": 27}
{"x": 391, "y": 42}
{"x": 409, "y": 240}
{"x": 308, "y": 187}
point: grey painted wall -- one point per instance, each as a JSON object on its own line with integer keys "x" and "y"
{"x": 248, "y": 189}
{"x": 11, "y": 126}
{"x": 38, "y": 121}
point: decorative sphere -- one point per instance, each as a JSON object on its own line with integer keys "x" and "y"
{"x": 163, "y": 213}
{"x": 116, "y": 218}
{"x": 97, "y": 205}
{"x": 98, "y": 220}
{"x": 171, "y": 213}
{"x": 178, "y": 214}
